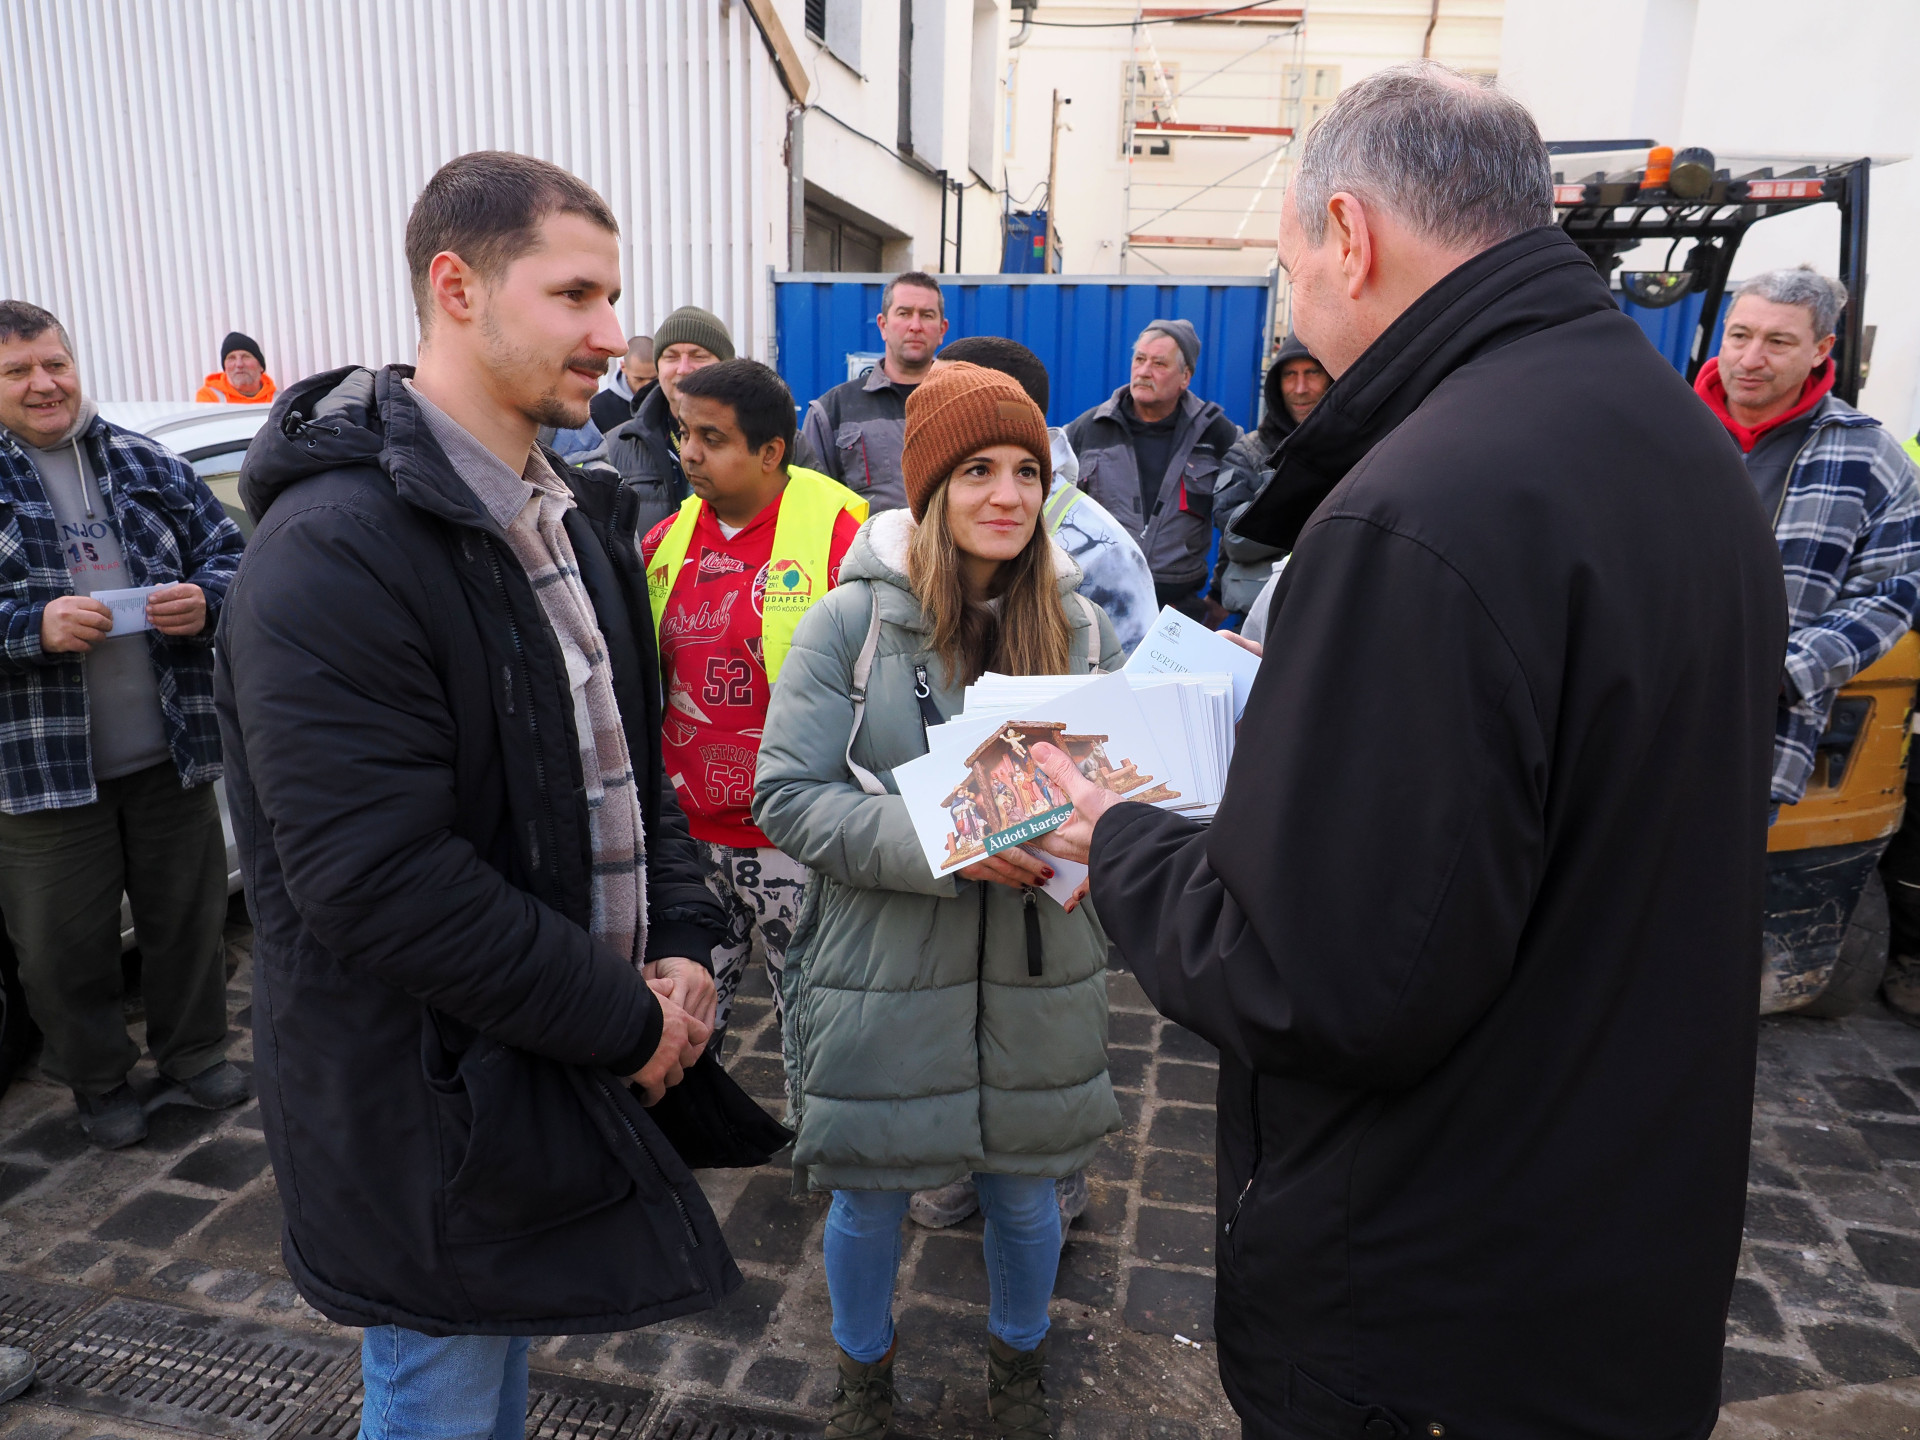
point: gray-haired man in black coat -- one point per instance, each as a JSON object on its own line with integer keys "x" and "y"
{"x": 1477, "y": 928}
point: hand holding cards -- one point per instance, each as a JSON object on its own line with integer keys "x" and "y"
{"x": 129, "y": 608}
{"x": 991, "y": 778}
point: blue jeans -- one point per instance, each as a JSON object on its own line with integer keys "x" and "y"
{"x": 863, "y": 1258}
{"x": 461, "y": 1387}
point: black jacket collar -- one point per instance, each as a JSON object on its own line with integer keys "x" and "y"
{"x": 1532, "y": 282}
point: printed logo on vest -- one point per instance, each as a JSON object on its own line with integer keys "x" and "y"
{"x": 788, "y": 584}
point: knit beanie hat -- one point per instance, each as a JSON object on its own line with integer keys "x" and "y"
{"x": 236, "y": 341}
{"x": 690, "y": 325}
{"x": 1182, "y": 333}
{"x": 958, "y": 410}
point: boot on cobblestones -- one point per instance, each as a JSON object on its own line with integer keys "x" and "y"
{"x": 1071, "y": 1194}
{"x": 114, "y": 1120}
{"x": 220, "y": 1087}
{"x": 948, "y": 1205}
{"x": 863, "y": 1400}
{"x": 1901, "y": 989}
{"x": 1016, "y": 1391}
{"x": 16, "y": 1371}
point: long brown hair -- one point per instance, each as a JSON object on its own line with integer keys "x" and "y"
{"x": 1029, "y": 636}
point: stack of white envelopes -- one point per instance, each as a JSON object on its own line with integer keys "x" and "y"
{"x": 1160, "y": 732}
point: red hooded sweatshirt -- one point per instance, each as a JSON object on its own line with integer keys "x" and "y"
{"x": 1711, "y": 389}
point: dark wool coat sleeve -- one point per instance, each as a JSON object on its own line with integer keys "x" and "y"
{"x": 1262, "y": 934}
{"x": 331, "y": 658}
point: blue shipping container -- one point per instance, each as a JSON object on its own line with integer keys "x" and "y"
{"x": 1081, "y": 326}
{"x": 1671, "y": 328}
{"x": 1025, "y": 249}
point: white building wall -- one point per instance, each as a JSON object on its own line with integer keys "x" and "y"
{"x": 1207, "y": 187}
{"x": 852, "y": 122}
{"x": 1755, "y": 81}
{"x": 176, "y": 171}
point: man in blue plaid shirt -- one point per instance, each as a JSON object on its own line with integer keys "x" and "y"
{"x": 1843, "y": 497}
{"x": 109, "y": 747}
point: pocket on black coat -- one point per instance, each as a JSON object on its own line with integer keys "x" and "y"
{"x": 518, "y": 1153}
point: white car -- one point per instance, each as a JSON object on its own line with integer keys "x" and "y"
{"x": 213, "y": 439}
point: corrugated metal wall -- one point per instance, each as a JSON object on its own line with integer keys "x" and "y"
{"x": 1081, "y": 327}
{"x": 173, "y": 171}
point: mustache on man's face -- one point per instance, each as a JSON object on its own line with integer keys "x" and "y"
{"x": 595, "y": 365}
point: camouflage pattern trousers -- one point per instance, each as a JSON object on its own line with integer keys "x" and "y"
{"x": 760, "y": 890}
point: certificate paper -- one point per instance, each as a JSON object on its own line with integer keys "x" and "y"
{"x": 129, "y": 608}
{"x": 1178, "y": 645}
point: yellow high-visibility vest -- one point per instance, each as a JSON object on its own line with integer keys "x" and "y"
{"x": 797, "y": 572}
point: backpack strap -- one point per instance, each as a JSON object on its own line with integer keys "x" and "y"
{"x": 857, "y": 692}
{"x": 1092, "y": 612}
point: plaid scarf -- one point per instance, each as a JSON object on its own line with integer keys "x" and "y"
{"x": 539, "y": 542}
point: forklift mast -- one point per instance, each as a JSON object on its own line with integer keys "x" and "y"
{"x": 1607, "y": 215}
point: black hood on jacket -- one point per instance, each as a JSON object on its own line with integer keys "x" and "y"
{"x": 1539, "y": 277}
{"x": 1277, "y": 422}
{"x": 352, "y": 416}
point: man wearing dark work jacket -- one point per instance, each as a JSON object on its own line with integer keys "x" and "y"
{"x": 1477, "y": 928}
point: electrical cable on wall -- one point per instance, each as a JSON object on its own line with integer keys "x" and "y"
{"x": 1162, "y": 20}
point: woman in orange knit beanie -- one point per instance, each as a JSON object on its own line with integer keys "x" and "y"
{"x": 939, "y": 1029}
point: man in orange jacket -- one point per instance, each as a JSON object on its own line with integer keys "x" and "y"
{"x": 242, "y": 378}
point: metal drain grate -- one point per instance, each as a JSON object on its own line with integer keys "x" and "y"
{"x": 559, "y": 1407}
{"x": 30, "y": 1311}
{"x": 704, "y": 1420}
{"x": 209, "y": 1375}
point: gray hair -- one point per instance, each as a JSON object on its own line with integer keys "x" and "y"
{"x": 1455, "y": 158}
{"x": 1824, "y": 299}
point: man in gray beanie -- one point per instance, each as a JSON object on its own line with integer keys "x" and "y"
{"x": 645, "y": 451}
{"x": 1151, "y": 453}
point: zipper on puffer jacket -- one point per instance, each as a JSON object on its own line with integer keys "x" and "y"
{"x": 1031, "y": 908}
{"x": 686, "y": 1220}
{"x": 929, "y": 712}
{"x": 533, "y": 726}
{"x": 1253, "y": 1170}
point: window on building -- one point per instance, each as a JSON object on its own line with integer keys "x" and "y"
{"x": 1307, "y": 90}
{"x": 836, "y": 244}
{"x": 817, "y": 20}
{"x": 1154, "y": 90}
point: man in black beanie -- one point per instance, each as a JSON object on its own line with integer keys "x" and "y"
{"x": 242, "y": 378}
{"x": 645, "y": 451}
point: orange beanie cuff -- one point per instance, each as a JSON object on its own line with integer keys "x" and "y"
{"x": 962, "y": 409}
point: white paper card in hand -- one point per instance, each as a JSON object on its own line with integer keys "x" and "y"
{"x": 965, "y": 807}
{"x": 129, "y": 608}
{"x": 1067, "y": 875}
{"x": 1178, "y": 644}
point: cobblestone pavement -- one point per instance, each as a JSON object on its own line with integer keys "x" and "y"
{"x": 181, "y": 1235}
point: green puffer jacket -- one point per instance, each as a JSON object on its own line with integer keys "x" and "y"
{"x": 918, "y": 1047}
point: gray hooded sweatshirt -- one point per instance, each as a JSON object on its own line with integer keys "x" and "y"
{"x": 124, "y": 723}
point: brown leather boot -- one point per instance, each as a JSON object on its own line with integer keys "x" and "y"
{"x": 1016, "y": 1391}
{"x": 863, "y": 1401}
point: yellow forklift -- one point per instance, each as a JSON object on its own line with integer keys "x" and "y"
{"x": 1825, "y": 942}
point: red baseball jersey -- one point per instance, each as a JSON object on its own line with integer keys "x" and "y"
{"x": 715, "y": 671}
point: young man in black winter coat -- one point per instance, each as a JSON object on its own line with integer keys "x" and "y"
{"x": 1477, "y": 927}
{"x": 478, "y": 913}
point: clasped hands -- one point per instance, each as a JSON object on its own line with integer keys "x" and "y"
{"x": 74, "y": 624}
{"x": 687, "y": 999}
